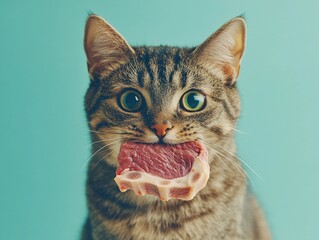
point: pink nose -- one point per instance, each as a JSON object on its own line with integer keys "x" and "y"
{"x": 161, "y": 128}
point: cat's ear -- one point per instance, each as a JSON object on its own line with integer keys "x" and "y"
{"x": 222, "y": 52}
{"x": 105, "y": 48}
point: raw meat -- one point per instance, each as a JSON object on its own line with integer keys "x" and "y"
{"x": 167, "y": 171}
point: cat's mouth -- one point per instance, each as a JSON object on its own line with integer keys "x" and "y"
{"x": 167, "y": 171}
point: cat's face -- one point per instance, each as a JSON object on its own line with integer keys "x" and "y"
{"x": 162, "y": 94}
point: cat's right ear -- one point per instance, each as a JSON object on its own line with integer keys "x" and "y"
{"x": 105, "y": 48}
{"x": 222, "y": 52}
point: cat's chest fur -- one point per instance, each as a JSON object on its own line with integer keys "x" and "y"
{"x": 161, "y": 225}
{"x": 215, "y": 213}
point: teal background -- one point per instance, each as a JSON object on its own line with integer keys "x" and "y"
{"x": 44, "y": 137}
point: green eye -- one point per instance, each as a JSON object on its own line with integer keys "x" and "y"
{"x": 193, "y": 101}
{"x": 131, "y": 101}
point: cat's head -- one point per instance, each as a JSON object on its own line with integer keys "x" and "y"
{"x": 162, "y": 94}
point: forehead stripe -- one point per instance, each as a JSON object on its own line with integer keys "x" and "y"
{"x": 177, "y": 60}
{"x": 184, "y": 78}
{"x": 161, "y": 65}
{"x": 140, "y": 78}
{"x": 147, "y": 64}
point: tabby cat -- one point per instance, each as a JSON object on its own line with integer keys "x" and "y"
{"x": 133, "y": 88}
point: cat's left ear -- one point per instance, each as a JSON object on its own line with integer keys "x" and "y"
{"x": 105, "y": 48}
{"x": 222, "y": 52}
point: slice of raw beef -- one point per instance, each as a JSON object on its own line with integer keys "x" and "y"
{"x": 177, "y": 171}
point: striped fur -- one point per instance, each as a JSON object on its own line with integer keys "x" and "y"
{"x": 224, "y": 209}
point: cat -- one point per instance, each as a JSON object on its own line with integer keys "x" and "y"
{"x": 157, "y": 79}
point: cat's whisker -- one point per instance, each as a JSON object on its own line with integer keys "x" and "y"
{"x": 236, "y": 165}
{"x": 237, "y": 130}
{"x": 216, "y": 155}
{"x": 246, "y": 164}
{"x": 234, "y": 155}
{"x": 100, "y": 149}
{"x": 242, "y": 171}
{"x": 123, "y": 133}
{"x": 99, "y": 132}
{"x": 104, "y": 158}
{"x": 215, "y": 151}
{"x": 103, "y": 140}
{"x": 94, "y": 131}
{"x": 93, "y": 155}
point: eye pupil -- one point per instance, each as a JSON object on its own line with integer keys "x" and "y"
{"x": 131, "y": 101}
{"x": 193, "y": 101}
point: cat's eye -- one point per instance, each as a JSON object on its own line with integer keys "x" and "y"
{"x": 131, "y": 101}
{"x": 193, "y": 101}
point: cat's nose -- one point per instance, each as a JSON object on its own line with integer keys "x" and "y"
{"x": 161, "y": 128}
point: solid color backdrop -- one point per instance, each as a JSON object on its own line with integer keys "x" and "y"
{"x": 44, "y": 137}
